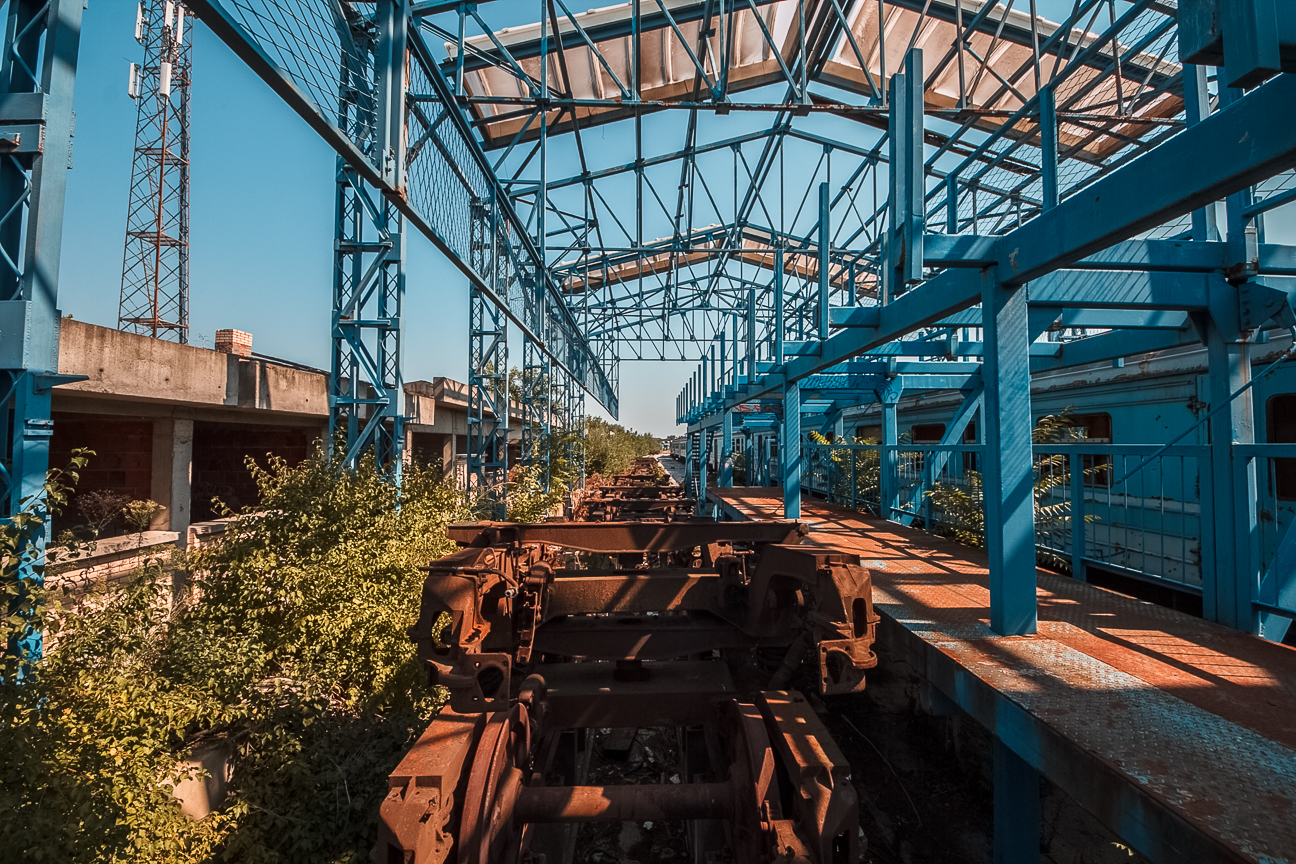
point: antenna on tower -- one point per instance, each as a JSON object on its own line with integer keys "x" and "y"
{"x": 155, "y": 267}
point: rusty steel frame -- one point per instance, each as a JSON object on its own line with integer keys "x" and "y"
{"x": 546, "y": 631}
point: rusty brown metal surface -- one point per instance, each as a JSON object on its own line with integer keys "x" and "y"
{"x": 542, "y": 632}
{"x": 638, "y": 803}
{"x": 613, "y": 537}
{"x": 1177, "y": 733}
{"x": 684, "y": 693}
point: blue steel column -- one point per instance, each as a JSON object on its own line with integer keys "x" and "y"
{"x": 1007, "y": 470}
{"x": 726, "y": 452}
{"x": 790, "y": 450}
{"x": 1049, "y": 146}
{"x": 366, "y": 399}
{"x": 825, "y": 237}
{"x": 889, "y": 465}
{"x": 778, "y": 304}
{"x": 1016, "y": 808}
{"x": 33, "y": 182}
{"x": 536, "y": 408}
{"x": 907, "y": 189}
{"x": 1231, "y": 583}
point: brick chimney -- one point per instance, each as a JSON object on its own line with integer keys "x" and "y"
{"x": 234, "y": 342}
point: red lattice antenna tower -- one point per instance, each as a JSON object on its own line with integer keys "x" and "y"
{"x": 155, "y": 268}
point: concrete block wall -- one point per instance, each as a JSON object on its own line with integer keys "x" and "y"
{"x": 219, "y": 454}
{"x": 123, "y": 460}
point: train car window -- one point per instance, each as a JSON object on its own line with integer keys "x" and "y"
{"x": 870, "y": 432}
{"x": 924, "y": 433}
{"x": 928, "y": 433}
{"x": 1096, "y": 428}
{"x": 1280, "y": 428}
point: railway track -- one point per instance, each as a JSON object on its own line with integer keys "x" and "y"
{"x": 551, "y": 637}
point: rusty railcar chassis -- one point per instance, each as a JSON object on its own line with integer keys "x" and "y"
{"x": 544, "y": 634}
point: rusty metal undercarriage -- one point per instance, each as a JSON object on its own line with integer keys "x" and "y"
{"x": 548, "y": 634}
{"x": 645, "y": 492}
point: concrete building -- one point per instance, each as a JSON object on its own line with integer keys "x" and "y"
{"x": 176, "y": 423}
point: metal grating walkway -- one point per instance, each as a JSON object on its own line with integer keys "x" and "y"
{"x": 1178, "y": 733}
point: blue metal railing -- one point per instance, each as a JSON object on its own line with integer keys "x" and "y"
{"x": 1154, "y": 526}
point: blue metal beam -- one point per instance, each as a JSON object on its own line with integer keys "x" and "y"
{"x": 1248, "y": 141}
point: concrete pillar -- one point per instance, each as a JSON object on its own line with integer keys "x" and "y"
{"x": 448, "y": 456}
{"x": 172, "y": 483}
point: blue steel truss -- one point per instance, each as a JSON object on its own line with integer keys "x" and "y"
{"x": 366, "y": 390}
{"x": 537, "y": 414}
{"x": 940, "y": 186}
{"x": 37, "y": 75}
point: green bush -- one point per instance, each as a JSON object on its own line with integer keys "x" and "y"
{"x": 291, "y": 645}
{"x": 611, "y": 449}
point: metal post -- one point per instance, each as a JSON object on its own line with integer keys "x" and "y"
{"x": 790, "y": 450}
{"x": 908, "y": 191}
{"x": 1205, "y": 222}
{"x": 1229, "y": 586}
{"x": 1049, "y": 146}
{"x": 726, "y": 452}
{"x": 889, "y": 479}
{"x": 824, "y": 240}
{"x": 951, "y": 203}
{"x": 1016, "y": 808}
{"x": 778, "y": 305}
{"x": 853, "y": 480}
{"x": 751, "y": 335}
{"x": 32, "y": 186}
{"x": 1076, "y": 467}
{"x": 1007, "y": 469}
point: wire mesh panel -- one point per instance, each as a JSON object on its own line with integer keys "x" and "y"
{"x": 326, "y": 48}
{"x": 1141, "y": 514}
{"x": 328, "y": 54}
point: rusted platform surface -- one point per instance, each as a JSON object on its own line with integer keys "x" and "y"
{"x": 1179, "y": 733}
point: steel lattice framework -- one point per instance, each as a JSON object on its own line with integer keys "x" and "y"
{"x": 155, "y": 267}
{"x": 827, "y": 203}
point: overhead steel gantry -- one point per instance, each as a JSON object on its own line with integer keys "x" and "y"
{"x": 363, "y": 75}
{"x": 836, "y": 202}
{"x": 847, "y": 174}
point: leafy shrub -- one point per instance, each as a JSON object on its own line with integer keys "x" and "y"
{"x": 100, "y": 509}
{"x": 291, "y": 644}
{"x": 610, "y": 449}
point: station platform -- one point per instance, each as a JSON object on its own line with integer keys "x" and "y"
{"x": 1177, "y": 733}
